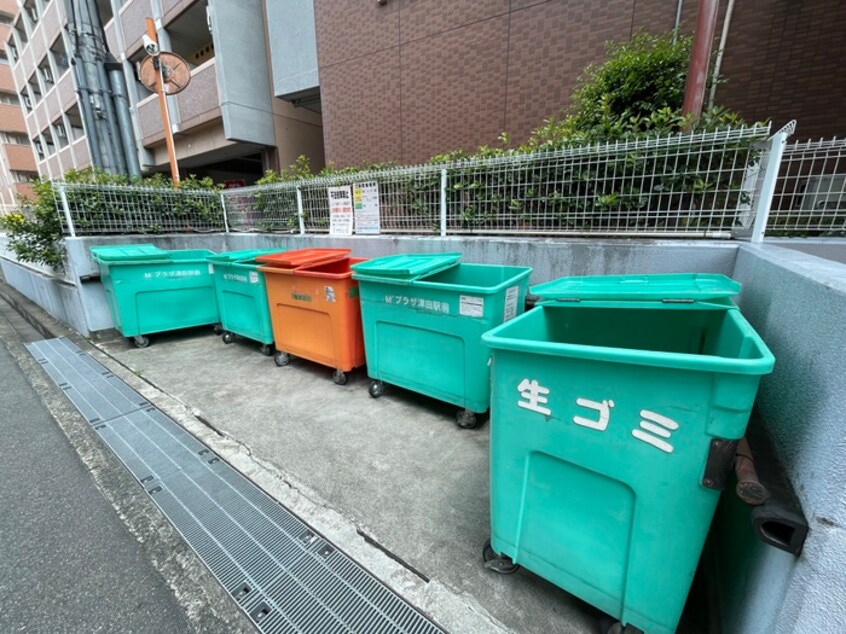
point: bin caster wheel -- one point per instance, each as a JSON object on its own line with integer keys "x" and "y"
{"x": 141, "y": 341}
{"x": 498, "y": 563}
{"x": 619, "y": 628}
{"x": 266, "y": 350}
{"x": 376, "y": 389}
{"x": 228, "y": 337}
{"x": 339, "y": 377}
{"x": 218, "y": 329}
{"x": 282, "y": 359}
{"x": 467, "y": 419}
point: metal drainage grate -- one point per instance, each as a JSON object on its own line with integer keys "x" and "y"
{"x": 281, "y": 573}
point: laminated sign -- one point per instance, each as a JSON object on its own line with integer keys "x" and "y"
{"x": 340, "y": 211}
{"x": 366, "y": 205}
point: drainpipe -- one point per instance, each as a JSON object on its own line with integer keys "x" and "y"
{"x": 85, "y": 110}
{"x": 700, "y": 56}
{"x": 718, "y": 62}
{"x": 84, "y": 51}
{"x": 99, "y": 52}
{"x": 679, "y": 5}
{"x": 117, "y": 81}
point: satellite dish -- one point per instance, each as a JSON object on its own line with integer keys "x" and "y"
{"x": 174, "y": 71}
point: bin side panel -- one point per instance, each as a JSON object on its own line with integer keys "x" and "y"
{"x": 173, "y": 308}
{"x": 162, "y": 296}
{"x": 428, "y": 339}
{"x": 645, "y": 429}
{"x": 426, "y": 360}
{"x": 111, "y": 296}
{"x": 242, "y": 298}
{"x": 317, "y": 319}
{"x": 590, "y": 505}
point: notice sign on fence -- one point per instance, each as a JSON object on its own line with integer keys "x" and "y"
{"x": 366, "y": 205}
{"x": 340, "y": 211}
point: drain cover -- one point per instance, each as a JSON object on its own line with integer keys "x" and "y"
{"x": 282, "y": 574}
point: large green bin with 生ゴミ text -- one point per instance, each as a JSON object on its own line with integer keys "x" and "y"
{"x": 242, "y": 296}
{"x": 153, "y": 290}
{"x": 423, "y": 317}
{"x": 613, "y": 403}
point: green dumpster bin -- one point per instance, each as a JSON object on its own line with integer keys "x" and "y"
{"x": 242, "y": 296}
{"x": 153, "y": 290}
{"x": 615, "y": 407}
{"x": 423, "y": 317}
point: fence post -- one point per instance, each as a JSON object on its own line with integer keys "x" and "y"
{"x": 66, "y": 210}
{"x": 225, "y": 218}
{"x": 443, "y": 203}
{"x": 300, "y": 211}
{"x": 764, "y": 201}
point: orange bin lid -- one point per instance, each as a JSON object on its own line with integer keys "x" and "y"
{"x": 301, "y": 257}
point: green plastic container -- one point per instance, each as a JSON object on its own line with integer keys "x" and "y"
{"x": 606, "y": 399}
{"x": 423, "y": 317}
{"x": 152, "y": 290}
{"x": 242, "y": 296}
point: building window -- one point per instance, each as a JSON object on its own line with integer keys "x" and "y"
{"x": 190, "y": 36}
{"x": 49, "y": 145}
{"x": 46, "y": 73}
{"x": 20, "y": 33}
{"x": 60, "y": 133}
{"x": 39, "y": 150}
{"x": 4, "y": 59}
{"x": 23, "y": 177}
{"x": 13, "y": 49}
{"x": 59, "y": 55}
{"x": 75, "y": 123}
{"x": 11, "y": 138}
{"x": 27, "y": 101}
{"x": 6, "y": 19}
{"x": 9, "y": 99}
{"x": 34, "y": 88}
{"x": 104, "y": 7}
{"x": 32, "y": 12}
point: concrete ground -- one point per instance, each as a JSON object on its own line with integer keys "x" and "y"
{"x": 397, "y": 469}
{"x": 67, "y": 562}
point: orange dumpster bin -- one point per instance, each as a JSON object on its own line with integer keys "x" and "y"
{"x": 314, "y": 308}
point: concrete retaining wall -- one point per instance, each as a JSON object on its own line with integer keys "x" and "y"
{"x": 549, "y": 258}
{"x": 797, "y": 302}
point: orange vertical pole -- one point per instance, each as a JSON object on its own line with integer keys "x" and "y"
{"x": 171, "y": 150}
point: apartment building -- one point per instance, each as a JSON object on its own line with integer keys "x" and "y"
{"x": 17, "y": 164}
{"x": 227, "y": 123}
{"x": 404, "y": 80}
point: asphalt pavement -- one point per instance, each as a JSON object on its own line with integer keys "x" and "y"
{"x": 67, "y": 561}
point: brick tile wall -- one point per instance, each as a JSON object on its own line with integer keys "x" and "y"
{"x": 425, "y": 18}
{"x": 452, "y": 87}
{"x": 784, "y": 60}
{"x": 363, "y": 123}
{"x": 543, "y": 66}
{"x": 415, "y": 78}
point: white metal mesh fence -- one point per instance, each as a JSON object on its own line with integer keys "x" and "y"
{"x": 686, "y": 184}
{"x": 103, "y": 209}
{"x": 810, "y": 196}
{"x": 263, "y": 208}
{"x": 409, "y": 199}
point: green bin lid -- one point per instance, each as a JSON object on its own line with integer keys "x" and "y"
{"x": 405, "y": 266}
{"x": 675, "y": 286}
{"x": 303, "y": 257}
{"x": 240, "y": 256}
{"x": 128, "y": 253}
